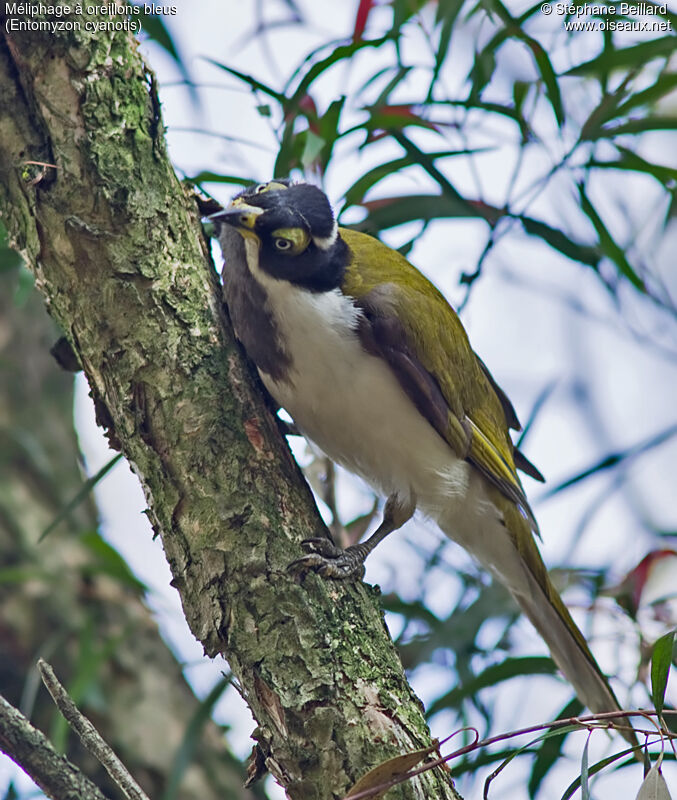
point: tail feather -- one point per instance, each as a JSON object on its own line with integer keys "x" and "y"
{"x": 547, "y": 613}
{"x": 506, "y": 546}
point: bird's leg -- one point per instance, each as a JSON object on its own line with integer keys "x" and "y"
{"x": 331, "y": 561}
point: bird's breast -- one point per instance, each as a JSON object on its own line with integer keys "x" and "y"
{"x": 349, "y": 402}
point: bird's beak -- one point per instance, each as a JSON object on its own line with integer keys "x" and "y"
{"x": 240, "y": 216}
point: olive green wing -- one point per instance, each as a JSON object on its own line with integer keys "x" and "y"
{"x": 409, "y": 323}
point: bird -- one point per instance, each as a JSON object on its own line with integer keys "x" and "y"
{"x": 375, "y": 368}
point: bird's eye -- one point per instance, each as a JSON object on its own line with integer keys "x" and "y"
{"x": 260, "y": 188}
{"x": 282, "y": 244}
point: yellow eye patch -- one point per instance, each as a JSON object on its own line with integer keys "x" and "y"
{"x": 290, "y": 240}
{"x": 272, "y": 186}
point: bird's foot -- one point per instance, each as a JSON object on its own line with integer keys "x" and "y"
{"x": 331, "y": 561}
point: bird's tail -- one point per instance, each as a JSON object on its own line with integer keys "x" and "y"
{"x": 507, "y": 548}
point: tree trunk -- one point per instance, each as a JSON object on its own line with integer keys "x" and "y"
{"x": 67, "y": 600}
{"x": 119, "y": 255}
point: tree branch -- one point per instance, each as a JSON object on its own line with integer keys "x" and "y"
{"x": 27, "y": 746}
{"x": 89, "y": 736}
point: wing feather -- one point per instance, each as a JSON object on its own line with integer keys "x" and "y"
{"x": 449, "y": 384}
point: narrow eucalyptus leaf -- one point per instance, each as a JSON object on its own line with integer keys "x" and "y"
{"x": 654, "y": 786}
{"x": 661, "y": 660}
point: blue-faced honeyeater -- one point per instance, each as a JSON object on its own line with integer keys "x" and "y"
{"x": 376, "y": 369}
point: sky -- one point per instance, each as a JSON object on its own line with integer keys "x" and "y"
{"x": 535, "y": 318}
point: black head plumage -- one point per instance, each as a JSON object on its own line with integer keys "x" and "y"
{"x": 298, "y": 236}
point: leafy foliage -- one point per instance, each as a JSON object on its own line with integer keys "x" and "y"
{"x": 661, "y": 661}
{"x": 625, "y": 88}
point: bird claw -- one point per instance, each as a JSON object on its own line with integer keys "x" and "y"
{"x": 321, "y": 546}
{"x": 330, "y": 561}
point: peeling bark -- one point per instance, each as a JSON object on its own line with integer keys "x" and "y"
{"x": 118, "y": 253}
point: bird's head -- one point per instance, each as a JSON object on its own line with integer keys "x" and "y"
{"x": 292, "y": 233}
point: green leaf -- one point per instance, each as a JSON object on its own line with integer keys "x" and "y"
{"x": 84, "y": 686}
{"x": 384, "y": 98}
{"x": 606, "y": 110}
{"x": 554, "y": 733}
{"x": 661, "y": 660}
{"x": 375, "y": 76}
{"x": 538, "y": 405}
{"x": 629, "y": 160}
{"x": 109, "y": 562}
{"x": 585, "y": 773}
{"x": 328, "y": 129}
{"x": 607, "y": 243}
{"x": 634, "y": 126}
{"x": 497, "y": 673}
{"x": 80, "y": 495}
{"x": 549, "y": 78}
{"x": 520, "y": 91}
{"x": 485, "y": 758}
{"x": 665, "y": 83}
{"x": 459, "y": 631}
{"x": 393, "y": 118}
{"x": 492, "y": 108}
{"x": 558, "y": 240}
{"x": 214, "y": 177}
{"x": 482, "y": 71}
{"x": 411, "y": 610}
{"x": 191, "y": 739}
{"x": 289, "y": 154}
{"x": 21, "y": 574}
{"x": 627, "y": 57}
{"x": 613, "y": 459}
{"x": 24, "y": 286}
{"x": 250, "y": 80}
{"x": 9, "y": 258}
{"x": 404, "y": 10}
{"x": 654, "y": 786}
{"x": 392, "y": 211}
{"x": 422, "y": 158}
{"x": 312, "y": 147}
{"x": 514, "y": 28}
{"x": 340, "y": 53}
{"x": 358, "y": 190}
{"x": 575, "y": 785}
{"x": 447, "y": 12}
{"x": 550, "y": 751}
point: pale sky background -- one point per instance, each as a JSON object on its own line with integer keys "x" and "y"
{"x": 521, "y": 320}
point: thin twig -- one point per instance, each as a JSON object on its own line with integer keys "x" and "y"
{"x": 31, "y": 750}
{"x": 90, "y": 737}
{"x": 603, "y": 721}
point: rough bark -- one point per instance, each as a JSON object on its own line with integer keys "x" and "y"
{"x": 28, "y": 746}
{"x": 118, "y": 253}
{"x": 63, "y": 599}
